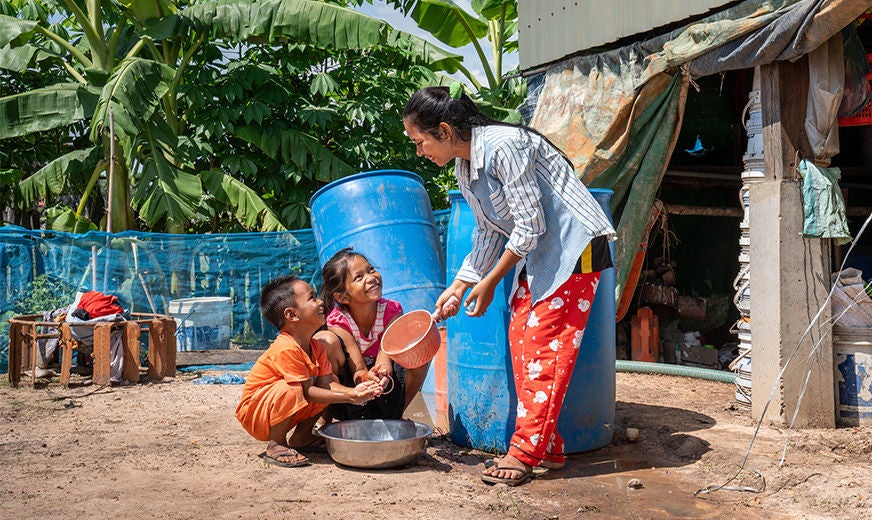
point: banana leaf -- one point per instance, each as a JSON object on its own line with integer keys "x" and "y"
{"x": 15, "y": 30}
{"x": 52, "y": 179}
{"x": 448, "y": 23}
{"x": 493, "y": 9}
{"x": 133, "y": 93}
{"x": 164, "y": 190}
{"x": 309, "y": 22}
{"x": 250, "y": 210}
{"x": 45, "y": 108}
{"x": 147, "y": 10}
{"x": 18, "y": 58}
{"x": 60, "y": 218}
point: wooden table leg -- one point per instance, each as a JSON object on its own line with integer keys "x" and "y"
{"x": 15, "y": 346}
{"x": 66, "y": 345}
{"x": 130, "y": 339}
{"x": 169, "y": 348}
{"x": 102, "y": 353}
{"x": 32, "y": 344}
{"x": 156, "y": 349}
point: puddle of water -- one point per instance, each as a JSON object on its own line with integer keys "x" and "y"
{"x": 601, "y": 486}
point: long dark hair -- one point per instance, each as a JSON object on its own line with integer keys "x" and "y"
{"x": 433, "y": 105}
{"x": 333, "y": 275}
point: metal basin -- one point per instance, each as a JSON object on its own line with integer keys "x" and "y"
{"x": 375, "y": 443}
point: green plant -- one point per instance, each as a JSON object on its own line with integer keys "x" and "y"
{"x": 494, "y": 20}
{"x": 123, "y": 77}
{"x": 44, "y": 293}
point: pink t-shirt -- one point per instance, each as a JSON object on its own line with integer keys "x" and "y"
{"x": 387, "y": 311}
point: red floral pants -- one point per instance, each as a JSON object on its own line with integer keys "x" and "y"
{"x": 544, "y": 340}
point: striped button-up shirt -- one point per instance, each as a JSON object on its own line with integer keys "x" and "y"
{"x": 526, "y": 198}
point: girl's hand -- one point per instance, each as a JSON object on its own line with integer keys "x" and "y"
{"x": 365, "y": 392}
{"x": 447, "y": 309}
{"x": 448, "y": 303}
{"x": 377, "y": 372}
{"x": 381, "y": 374}
{"x": 480, "y": 297}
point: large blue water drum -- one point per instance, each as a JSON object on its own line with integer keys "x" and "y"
{"x": 481, "y": 393}
{"x": 386, "y": 216}
{"x": 588, "y": 415}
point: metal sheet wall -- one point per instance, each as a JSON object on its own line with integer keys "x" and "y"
{"x": 552, "y": 29}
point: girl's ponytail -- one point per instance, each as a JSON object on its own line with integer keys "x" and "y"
{"x": 433, "y": 105}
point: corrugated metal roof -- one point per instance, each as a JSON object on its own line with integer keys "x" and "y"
{"x": 552, "y": 29}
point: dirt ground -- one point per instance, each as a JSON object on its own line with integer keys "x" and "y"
{"x": 173, "y": 449}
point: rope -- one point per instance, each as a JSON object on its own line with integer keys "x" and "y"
{"x": 809, "y": 366}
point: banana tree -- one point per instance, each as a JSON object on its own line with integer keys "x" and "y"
{"x": 122, "y": 68}
{"x": 496, "y": 20}
{"x": 266, "y": 108}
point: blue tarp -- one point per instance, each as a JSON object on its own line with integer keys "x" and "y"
{"x": 224, "y": 379}
{"x": 148, "y": 270}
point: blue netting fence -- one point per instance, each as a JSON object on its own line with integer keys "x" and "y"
{"x": 42, "y": 270}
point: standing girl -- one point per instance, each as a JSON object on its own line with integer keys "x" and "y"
{"x": 357, "y": 317}
{"x": 533, "y": 214}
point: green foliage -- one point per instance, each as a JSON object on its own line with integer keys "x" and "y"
{"x": 44, "y": 293}
{"x": 52, "y": 179}
{"x": 44, "y": 109}
{"x": 279, "y": 96}
{"x": 315, "y": 130}
{"x": 59, "y": 218}
{"x": 495, "y": 20}
{"x": 439, "y": 186}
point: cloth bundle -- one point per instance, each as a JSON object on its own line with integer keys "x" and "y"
{"x": 851, "y": 306}
{"x": 87, "y": 308}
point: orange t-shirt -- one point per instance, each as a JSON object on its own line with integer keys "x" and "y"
{"x": 273, "y": 389}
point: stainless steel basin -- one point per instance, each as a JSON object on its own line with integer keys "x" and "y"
{"x": 375, "y": 443}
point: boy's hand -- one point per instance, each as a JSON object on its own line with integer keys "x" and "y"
{"x": 381, "y": 374}
{"x": 365, "y": 392}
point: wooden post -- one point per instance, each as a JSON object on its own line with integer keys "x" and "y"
{"x": 156, "y": 349}
{"x": 130, "y": 340}
{"x": 169, "y": 368}
{"x": 15, "y": 346}
{"x": 31, "y": 345}
{"x": 66, "y": 345}
{"x": 102, "y": 353}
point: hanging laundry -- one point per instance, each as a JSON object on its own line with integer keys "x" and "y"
{"x": 824, "y": 208}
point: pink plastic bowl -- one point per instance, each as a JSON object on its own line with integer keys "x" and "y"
{"x": 412, "y": 339}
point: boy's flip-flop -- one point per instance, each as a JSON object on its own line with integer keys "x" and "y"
{"x": 274, "y": 459}
{"x": 524, "y": 477}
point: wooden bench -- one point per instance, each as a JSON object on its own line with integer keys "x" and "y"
{"x": 24, "y": 335}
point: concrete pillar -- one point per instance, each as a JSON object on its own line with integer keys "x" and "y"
{"x": 789, "y": 274}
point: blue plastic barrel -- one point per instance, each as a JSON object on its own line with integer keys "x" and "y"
{"x": 481, "y": 392}
{"x": 588, "y": 415}
{"x": 386, "y": 216}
